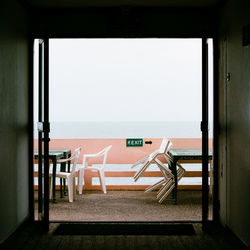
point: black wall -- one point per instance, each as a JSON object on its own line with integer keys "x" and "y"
{"x": 13, "y": 116}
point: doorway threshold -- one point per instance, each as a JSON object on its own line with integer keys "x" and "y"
{"x": 124, "y": 228}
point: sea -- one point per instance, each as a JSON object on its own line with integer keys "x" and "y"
{"x": 114, "y": 129}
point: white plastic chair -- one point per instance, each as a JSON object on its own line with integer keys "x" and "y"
{"x": 169, "y": 184}
{"x": 152, "y": 158}
{"x": 70, "y": 177}
{"x": 166, "y": 172}
{"x": 168, "y": 181}
{"x": 98, "y": 168}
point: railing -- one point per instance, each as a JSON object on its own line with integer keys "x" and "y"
{"x": 127, "y": 174}
{"x": 121, "y": 155}
{"x": 89, "y": 175}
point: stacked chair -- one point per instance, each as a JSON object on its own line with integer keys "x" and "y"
{"x": 167, "y": 184}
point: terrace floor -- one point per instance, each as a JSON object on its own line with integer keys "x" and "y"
{"x": 126, "y": 206}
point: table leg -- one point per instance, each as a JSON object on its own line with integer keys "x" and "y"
{"x": 54, "y": 180}
{"x": 61, "y": 192}
{"x": 174, "y": 172}
{"x": 64, "y": 188}
{"x": 65, "y": 193}
{"x": 69, "y": 155}
{"x": 62, "y": 181}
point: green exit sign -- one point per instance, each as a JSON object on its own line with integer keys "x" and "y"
{"x": 134, "y": 142}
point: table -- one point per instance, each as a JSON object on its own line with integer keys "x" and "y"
{"x": 54, "y": 155}
{"x": 189, "y": 155}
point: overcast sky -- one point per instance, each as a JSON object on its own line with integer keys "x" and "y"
{"x": 125, "y": 79}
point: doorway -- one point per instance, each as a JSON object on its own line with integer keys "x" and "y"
{"x": 136, "y": 104}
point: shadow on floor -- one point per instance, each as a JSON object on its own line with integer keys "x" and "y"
{"x": 29, "y": 237}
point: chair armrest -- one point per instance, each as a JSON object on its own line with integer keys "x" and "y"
{"x": 147, "y": 158}
{"x": 140, "y": 162}
{"x": 164, "y": 168}
{"x": 86, "y": 156}
{"x": 154, "y": 154}
{"x": 180, "y": 166}
{"x": 62, "y": 160}
{"x": 66, "y": 160}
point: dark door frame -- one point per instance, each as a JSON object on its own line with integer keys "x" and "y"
{"x": 43, "y": 134}
{"x": 204, "y": 123}
{"x": 204, "y": 129}
{"x": 46, "y": 130}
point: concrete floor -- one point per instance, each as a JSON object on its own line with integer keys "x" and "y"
{"x": 126, "y": 206}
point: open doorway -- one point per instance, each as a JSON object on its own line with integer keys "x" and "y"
{"x": 105, "y": 91}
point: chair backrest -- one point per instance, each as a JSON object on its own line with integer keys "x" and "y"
{"x": 105, "y": 153}
{"x": 166, "y": 144}
{"x": 75, "y": 158}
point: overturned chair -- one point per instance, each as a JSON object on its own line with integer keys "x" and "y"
{"x": 167, "y": 184}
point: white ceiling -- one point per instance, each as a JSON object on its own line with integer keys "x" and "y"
{"x": 109, "y": 3}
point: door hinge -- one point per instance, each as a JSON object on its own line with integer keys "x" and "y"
{"x": 46, "y": 140}
{"x": 43, "y": 127}
{"x": 40, "y": 126}
{"x": 204, "y": 126}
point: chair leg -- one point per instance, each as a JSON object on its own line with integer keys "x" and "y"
{"x": 80, "y": 180}
{"x": 70, "y": 188}
{"x": 152, "y": 187}
{"x": 164, "y": 196}
{"x": 61, "y": 191}
{"x": 165, "y": 188}
{"x": 74, "y": 186}
{"x": 102, "y": 180}
{"x": 140, "y": 171}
